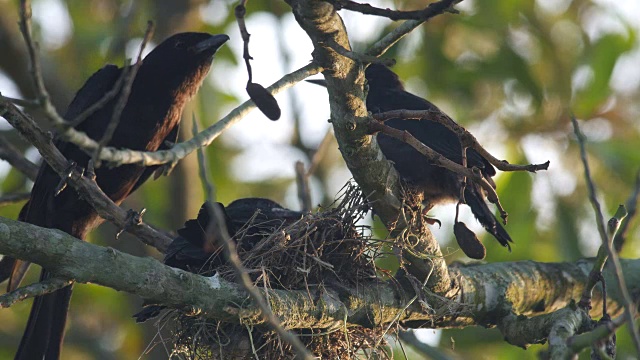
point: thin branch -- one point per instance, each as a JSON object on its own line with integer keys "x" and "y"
{"x": 632, "y": 206}
{"x": 181, "y": 150}
{"x": 363, "y": 58}
{"x": 439, "y": 160}
{"x": 108, "y": 96}
{"x": 10, "y": 154}
{"x": 582, "y": 341}
{"x": 384, "y": 44}
{"x": 124, "y": 95}
{"x": 40, "y": 288}
{"x": 466, "y": 138}
{"x": 429, "y": 352}
{"x": 87, "y": 188}
{"x": 22, "y": 102}
{"x": 628, "y": 303}
{"x": 240, "y": 12}
{"x": 13, "y": 198}
{"x": 422, "y": 15}
{"x": 304, "y": 192}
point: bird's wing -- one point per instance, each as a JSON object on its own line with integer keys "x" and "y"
{"x": 433, "y": 134}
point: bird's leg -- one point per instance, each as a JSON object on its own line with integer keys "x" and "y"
{"x": 134, "y": 218}
{"x": 168, "y": 144}
{"x": 68, "y": 172}
{"x": 90, "y": 172}
{"x": 429, "y": 220}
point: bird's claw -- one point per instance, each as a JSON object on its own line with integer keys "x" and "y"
{"x": 68, "y": 172}
{"x": 133, "y": 218}
{"x": 90, "y": 172}
{"x": 429, "y": 220}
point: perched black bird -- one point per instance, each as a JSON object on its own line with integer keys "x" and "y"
{"x": 439, "y": 185}
{"x": 247, "y": 221}
{"x": 168, "y": 77}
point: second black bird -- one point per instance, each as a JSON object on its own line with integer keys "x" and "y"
{"x": 386, "y": 93}
{"x": 247, "y": 222}
{"x": 168, "y": 77}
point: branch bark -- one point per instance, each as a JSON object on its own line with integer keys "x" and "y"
{"x": 488, "y": 293}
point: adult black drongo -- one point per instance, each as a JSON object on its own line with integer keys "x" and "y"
{"x": 247, "y": 221}
{"x": 439, "y": 185}
{"x": 167, "y": 78}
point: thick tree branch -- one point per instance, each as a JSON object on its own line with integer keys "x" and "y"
{"x": 487, "y": 294}
{"x": 370, "y": 169}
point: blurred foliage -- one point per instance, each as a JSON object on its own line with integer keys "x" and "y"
{"x": 509, "y": 71}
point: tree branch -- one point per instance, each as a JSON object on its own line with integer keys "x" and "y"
{"x": 349, "y": 116}
{"x": 487, "y": 293}
{"x": 87, "y": 188}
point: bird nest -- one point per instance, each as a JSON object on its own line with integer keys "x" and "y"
{"x": 326, "y": 248}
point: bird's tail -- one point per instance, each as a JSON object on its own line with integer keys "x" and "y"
{"x": 484, "y": 215}
{"x": 42, "y": 339}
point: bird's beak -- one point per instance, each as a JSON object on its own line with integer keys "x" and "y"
{"x": 320, "y": 82}
{"x": 211, "y": 44}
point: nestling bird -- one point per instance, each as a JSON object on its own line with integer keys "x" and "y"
{"x": 247, "y": 221}
{"x": 439, "y": 185}
{"x": 167, "y": 78}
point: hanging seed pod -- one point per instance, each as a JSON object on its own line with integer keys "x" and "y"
{"x": 468, "y": 241}
{"x": 264, "y": 101}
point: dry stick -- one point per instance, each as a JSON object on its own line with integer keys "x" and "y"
{"x": 35, "y": 69}
{"x": 219, "y": 227}
{"x": 632, "y": 207}
{"x": 108, "y": 96}
{"x": 382, "y": 45}
{"x": 88, "y": 189}
{"x": 203, "y": 169}
{"x": 628, "y": 304}
{"x": 396, "y": 15}
{"x": 466, "y": 138}
{"x": 363, "y": 58}
{"x": 13, "y": 198}
{"x": 439, "y": 160}
{"x": 22, "y": 102}
{"x": 581, "y": 341}
{"x": 124, "y": 96}
{"x": 595, "y": 275}
{"x": 11, "y": 155}
{"x": 40, "y": 288}
{"x": 302, "y": 181}
{"x": 204, "y": 138}
{"x": 240, "y": 12}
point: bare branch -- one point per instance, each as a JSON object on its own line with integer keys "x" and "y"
{"x": 46, "y": 286}
{"x": 630, "y": 311}
{"x": 204, "y": 138}
{"x": 13, "y": 198}
{"x": 439, "y": 160}
{"x": 466, "y": 138}
{"x": 124, "y": 95}
{"x": 422, "y": 15}
{"x": 514, "y": 284}
{"x": 632, "y": 207}
{"x": 87, "y": 188}
{"x": 382, "y": 45}
{"x": 10, "y": 154}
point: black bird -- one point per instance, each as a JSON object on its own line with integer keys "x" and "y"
{"x": 167, "y": 78}
{"x": 247, "y": 221}
{"x": 439, "y": 185}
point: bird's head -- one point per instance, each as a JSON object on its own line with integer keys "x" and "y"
{"x": 183, "y": 60}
